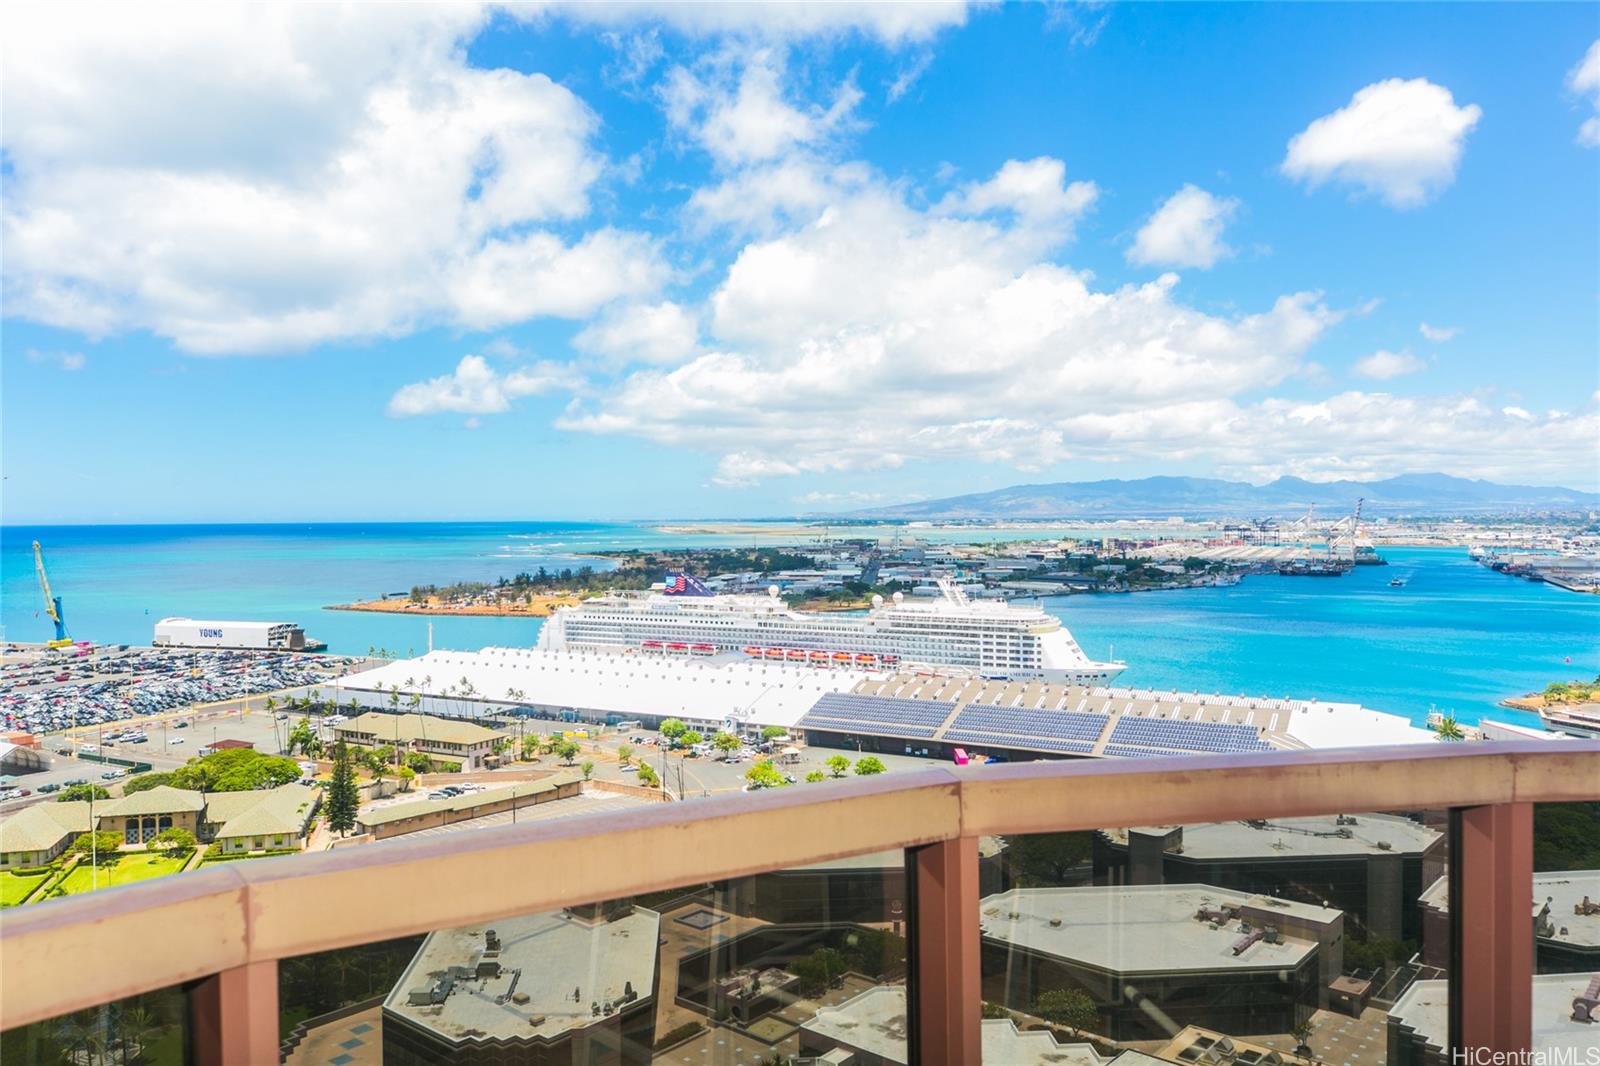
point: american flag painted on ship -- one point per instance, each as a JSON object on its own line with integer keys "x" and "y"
{"x": 677, "y": 583}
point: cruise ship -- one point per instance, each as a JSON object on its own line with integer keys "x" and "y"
{"x": 992, "y": 639}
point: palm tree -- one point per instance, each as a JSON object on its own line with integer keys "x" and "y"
{"x": 1448, "y": 729}
{"x": 136, "y": 1028}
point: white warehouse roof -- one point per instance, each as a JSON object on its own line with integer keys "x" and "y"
{"x": 629, "y": 683}
{"x": 247, "y": 626}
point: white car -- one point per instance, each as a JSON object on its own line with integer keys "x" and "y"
{"x": 179, "y": 740}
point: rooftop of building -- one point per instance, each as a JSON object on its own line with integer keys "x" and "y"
{"x": 543, "y": 960}
{"x": 1138, "y": 928}
{"x": 41, "y": 826}
{"x": 410, "y": 728}
{"x": 603, "y": 681}
{"x": 285, "y": 809}
{"x": 1425, "y": 1009}
{"x": 1314, "y": 836}
{"x": 1564, "y": 891}
{"x": 874, "y": 1022}
{"x": 465, "y": 802}
{"x": 163, "y": 799}
{"x": 959, "y": 708}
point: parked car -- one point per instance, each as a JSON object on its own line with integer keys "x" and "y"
{"x": 51, "y": 787}
{"x": 112, "y": 775}
{"x": 181, "y": 725}
{"x": 175, "y": 740}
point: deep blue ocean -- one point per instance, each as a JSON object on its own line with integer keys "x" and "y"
{"x": 1457, "y": 637}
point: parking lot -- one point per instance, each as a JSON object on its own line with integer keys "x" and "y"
{"x": 47, "y": 692}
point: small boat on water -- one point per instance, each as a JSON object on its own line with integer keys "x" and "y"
{"x": 1397, "y": 582}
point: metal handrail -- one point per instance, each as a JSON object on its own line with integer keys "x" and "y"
{"x": 78, "y": 952}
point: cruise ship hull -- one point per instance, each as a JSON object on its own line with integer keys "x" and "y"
{"x": 989, "y": 639}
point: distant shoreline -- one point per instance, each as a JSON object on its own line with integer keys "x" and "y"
{"x": 541, "y": 607}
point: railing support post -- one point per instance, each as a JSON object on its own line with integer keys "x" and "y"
{"x": 234, "y": 1016}
{"x": 1492, "y": 919}
{"x": 948, "y": 981}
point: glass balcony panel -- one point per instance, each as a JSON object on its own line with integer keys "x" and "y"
{"x": 1566, "y": 930}
{"x": 1261, "y": 943}
{"x": 796, "y": 963}
{"x": 147, "y": 1030}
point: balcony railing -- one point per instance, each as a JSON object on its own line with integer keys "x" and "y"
{"x": 222, "y": 932}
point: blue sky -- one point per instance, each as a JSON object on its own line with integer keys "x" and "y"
{"x": 647, "y": 261}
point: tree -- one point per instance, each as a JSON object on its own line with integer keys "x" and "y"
{"x": 1301, "y": 1031}
{"x": 688, "y": 739}
{"x": 672, "y": 728}
{"x": 174, "y": 840}
{"x": 815, "y": 776}
{"x": 144, "y": 782}
{"x": 100, "y": 845}
{"x": 344, "y": 798}
{"x": 1066, "y": 1006}
{"x": 236, "y": 770}
{"x": 417, "y": 762}
{"x": 625, "y": 754}
{"x": 567, "y": 751}
{"x": 773, "y": 732}
{"x": 647, "y": 775}
{"x": 1448, "y": 729}
{"x": 83, "y": 792}
{"x": 407, "y": 777}
{"x": 764, "y": 775}
{"x": 726, "y": 743}
{"x": 1049, "y": 860}
{"x": 530, "y": 748}
{"x": 824, "y": 968}
{"x": 587, "y": 768}
{"x": 870, "y": 765}
{"x": 838, "y": 765}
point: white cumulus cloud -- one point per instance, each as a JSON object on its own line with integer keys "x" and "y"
{"x": 1036, "y": 190}
{"x": 734, "y": 105}
{"x": 1186, "y": 231}
{"x": 476, "y": 388}
{"x": 1382, "y": 365}
{"x": 1399, "y": 140}
{"x": 1584, "y": 79}
{"x": 267, "y": 177}
{"x": 642, "y": 333}
{"x": 1439, "y": 334}
{"x": 892, "y": 23}
{"x": 879, "y": 334}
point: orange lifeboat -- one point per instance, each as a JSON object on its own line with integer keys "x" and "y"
{"x": 841, "y": 656}
{"x": 865, "y": 658}
{"x": 753, "y": 651}
{"x": 774, "y": 653}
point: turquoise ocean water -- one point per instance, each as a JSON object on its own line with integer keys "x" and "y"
{"x": 1456, "y": 637}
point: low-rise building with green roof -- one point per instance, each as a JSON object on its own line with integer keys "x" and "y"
{"x": 35, "y": 835}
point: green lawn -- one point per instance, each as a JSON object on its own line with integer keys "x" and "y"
{"x": 14, "y": 888}
{"x": 136, "y": 866}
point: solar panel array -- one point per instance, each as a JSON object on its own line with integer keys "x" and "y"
{"x": 1136, "y": 753}
{"x": 1075, "y": 747}
{"x": 846, "y": 712}
{"x": 1026, "y": 723}
{"x": 1187, "y": 736}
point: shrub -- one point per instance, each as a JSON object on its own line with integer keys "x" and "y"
{"x": 678, "y": 1035}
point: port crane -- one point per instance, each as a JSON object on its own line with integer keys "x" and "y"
{"x": 1345, "y": 534}
{"x": 52, "y": 603}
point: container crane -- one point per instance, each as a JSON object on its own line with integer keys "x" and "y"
{"x": 52, "y": 603}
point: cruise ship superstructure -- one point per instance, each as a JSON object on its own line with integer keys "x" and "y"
{"x": 991, "y": 638}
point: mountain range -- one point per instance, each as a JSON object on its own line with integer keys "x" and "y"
{"x": 1195, "y": 497}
